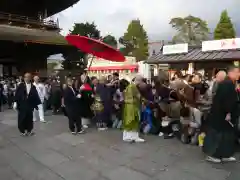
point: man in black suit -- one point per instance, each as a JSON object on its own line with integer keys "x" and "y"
{"x": 26, "y": 100}
{"x": 71, "y": 106}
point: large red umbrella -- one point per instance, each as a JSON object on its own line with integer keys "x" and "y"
{"x": 95, "y": 47}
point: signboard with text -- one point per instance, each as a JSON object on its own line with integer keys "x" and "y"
{"x": 223, "y": 44}
{"x": 175, "y": 49}
{"x": 105, "y": 63}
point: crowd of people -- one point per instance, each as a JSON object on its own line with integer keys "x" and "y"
{"x": 188, "y": 107}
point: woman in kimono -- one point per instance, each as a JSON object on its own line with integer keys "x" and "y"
{"x": 86, "y": 91}
{"x": 131, "y": 111}
{"x": 103, "y": 104}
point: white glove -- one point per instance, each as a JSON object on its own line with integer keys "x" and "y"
{"x": 228, "y": 117}
{"x": 15, "y": 106}
{"x": 79, "y": 96}
{"x": 82, "y": 87}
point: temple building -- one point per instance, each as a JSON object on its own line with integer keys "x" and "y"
{"x": 27, "y": 39}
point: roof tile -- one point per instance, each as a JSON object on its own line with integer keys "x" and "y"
{"x": 195, "y": 54}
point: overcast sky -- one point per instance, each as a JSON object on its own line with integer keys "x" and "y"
{"x": 113, "y": 16}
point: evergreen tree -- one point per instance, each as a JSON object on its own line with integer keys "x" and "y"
{"x": 135, "y": 41}
{"x": 110, "y": 40}
{"x": 224, "y": 28}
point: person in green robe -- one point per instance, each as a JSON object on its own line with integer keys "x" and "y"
{"x": 131, "y": 111}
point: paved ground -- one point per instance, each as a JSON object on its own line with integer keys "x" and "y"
{"x": 54, "y": 154}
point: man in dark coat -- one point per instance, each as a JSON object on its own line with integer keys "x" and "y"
{"x": 72, "y": 108}
{"x": 221, "y": 135}
{"x": 26, "y": 100}
{"x": 220, "y": 76}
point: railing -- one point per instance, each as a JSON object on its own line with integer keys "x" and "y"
{"x": 18, "y": 20}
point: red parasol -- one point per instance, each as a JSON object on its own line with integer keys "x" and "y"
{"x": 95, "y": 47}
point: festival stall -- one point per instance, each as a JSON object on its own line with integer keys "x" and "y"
{"x": 101, "y": 67}
{"x": 207, "y": 58}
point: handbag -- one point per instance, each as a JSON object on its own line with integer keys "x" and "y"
{"x": 97, "y": 106}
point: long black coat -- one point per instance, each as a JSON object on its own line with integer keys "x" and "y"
{"x": 26, "y": 102}
{"x": 85, "y": 103}
{"x": 225, "y": 101}
{"x": 220, "y": 136}
{"x": 70, "y": 100}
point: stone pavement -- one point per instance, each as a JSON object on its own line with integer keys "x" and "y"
{"x": 54, "y": 154}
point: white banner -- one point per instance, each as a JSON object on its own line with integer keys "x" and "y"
{"x": 175, "y": 49}
{"x": 223, "y": 44}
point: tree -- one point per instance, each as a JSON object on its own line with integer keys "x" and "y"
{"x": 76, "y": 58}
{"x": 190, "y": 29}
{"x": 51, "y": 65}
{"x": 86, "y": 29}
{"x": 224, "y": 28}
{"x": 135, "y": 41}
{"x": 110, "y": 40}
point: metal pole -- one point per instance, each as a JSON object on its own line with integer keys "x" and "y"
{"x": 91, "y": 61}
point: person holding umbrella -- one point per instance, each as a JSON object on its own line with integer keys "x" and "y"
{"x": 86, "y": 91}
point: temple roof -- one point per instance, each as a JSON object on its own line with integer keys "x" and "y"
{"x": 31, "y": 8}
{"x": 20, "y": 34}
{"x": 195, "y": 54}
